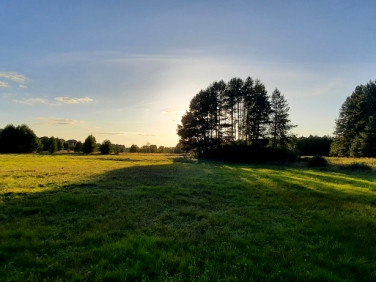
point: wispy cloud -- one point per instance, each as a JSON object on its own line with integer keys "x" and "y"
{"x": 58, "y": 121}
{"x": 14, "y": 76}
{"x": 172, "y": 112}
{"x": 58, "y": 101}
{"x": 3, "y": 84}
{"x": 69, "y": 100}
{"x": 32, "y": 101}
{"x": 147, "y": 135}
{"x": 110, "y": 133}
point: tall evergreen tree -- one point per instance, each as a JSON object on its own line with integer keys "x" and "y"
{"x": 354, "y": 121}
{"x": 280, "y": 124}
{"x": 258, "y": 107}
{"x": 231, "y": 101}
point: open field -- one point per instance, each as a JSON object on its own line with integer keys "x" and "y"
{"x": 161, "y": 217}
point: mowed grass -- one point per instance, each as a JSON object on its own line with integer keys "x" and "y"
{"x": 166, "y": 218}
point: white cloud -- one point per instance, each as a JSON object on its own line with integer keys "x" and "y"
{"x": 69, "y": 100}
{"x": 3, "y": 84}
{"x": 22, "y": 86}
{"x": 14, "y": 76}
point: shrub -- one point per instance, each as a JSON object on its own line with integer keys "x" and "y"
{"x": 317, "y": 161}
{"x": 359, "y": 167}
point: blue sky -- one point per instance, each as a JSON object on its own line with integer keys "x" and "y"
{"x": 126, "y": 70}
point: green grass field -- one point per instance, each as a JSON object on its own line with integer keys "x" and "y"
{"x": 166, "y": 218}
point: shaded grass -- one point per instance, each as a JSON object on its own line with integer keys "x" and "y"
{"x": 135, "y": 217}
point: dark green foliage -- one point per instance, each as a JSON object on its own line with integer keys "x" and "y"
{"x": 356, "y": 126}
{"x": 118, "y": 148}
{"x": 249, "y": 153}
{"x": 89, "y": 145}
{"x": 148, "y": 148}
{"x": 44, "y": 142}
{"x": 60, "y": 144}
{"x": 52, "y": 145}
{"x": 20, "y": 139}
{"x": 106, "y": 147}
{"x": 280, "y": 124}
{"x": 314, "y": 145}
{"x": 133, "y": 149}
{"x": 78, "y": 147}
{"x": 71, "y": 144}
{"x": 358, "y": 167}
{"x": 317, "y": 161}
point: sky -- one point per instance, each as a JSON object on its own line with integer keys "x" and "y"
{"x": 127, "y": 70}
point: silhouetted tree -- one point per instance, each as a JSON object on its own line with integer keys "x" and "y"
{"x": 106, "y": 147}
{"x": 133, "y": 149}
{"x": 238, "y": 112}
{"x": 89, "y": 145}
{"x": 20, "y": 139}
{"x": 71, "y": 144}
{"x": 355, "y": 122}
{"x": 280, "y": 124}
{"x": 60, "y": 144}
{"x": 258, "y": 113}
{"x": 52, "y": 146}
{"x": 78, "y": 147}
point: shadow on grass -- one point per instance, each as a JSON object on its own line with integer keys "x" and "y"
{"x": 191, "y": 221}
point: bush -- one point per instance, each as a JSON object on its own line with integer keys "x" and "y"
{"x": 359, "y": 167}
{"x": 317, "y": 161}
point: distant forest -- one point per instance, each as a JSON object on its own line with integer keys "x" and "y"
{"x": 22, "y": 139}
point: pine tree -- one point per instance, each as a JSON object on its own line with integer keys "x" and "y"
{"x": 280, "y": 124}
{"x": 353, "y": 123}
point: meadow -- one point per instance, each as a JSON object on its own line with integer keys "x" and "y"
{"x": 168, "y": 218}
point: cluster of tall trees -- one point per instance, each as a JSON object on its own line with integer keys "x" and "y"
{"x": 355, "y": 133}
{"x": 18, "y": 139}
{"x": 239, "y": 111}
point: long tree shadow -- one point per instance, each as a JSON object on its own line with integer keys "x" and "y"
{"x": 187, "y": 221}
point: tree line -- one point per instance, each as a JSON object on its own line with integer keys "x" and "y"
{"x": 236, "y": 113}
{"x": 22, "y": 139}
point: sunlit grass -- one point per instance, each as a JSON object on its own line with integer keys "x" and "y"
{"x": 163, "y": 217}
{"x": 347, "y": 161}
